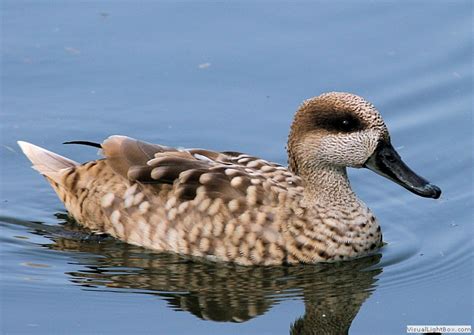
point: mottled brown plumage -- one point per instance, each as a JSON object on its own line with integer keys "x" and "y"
{"x": 228, "y": 206}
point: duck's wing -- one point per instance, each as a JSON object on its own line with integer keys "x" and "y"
{"x": 270, "y": 170}
{"x": 225, "y": 175}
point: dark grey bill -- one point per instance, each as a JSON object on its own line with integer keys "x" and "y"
{"x": 387, "y": 162}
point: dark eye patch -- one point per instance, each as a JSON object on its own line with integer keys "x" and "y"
{"x": 339, "y": 122}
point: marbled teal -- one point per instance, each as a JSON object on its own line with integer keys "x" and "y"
{"x": 229, "y": 206}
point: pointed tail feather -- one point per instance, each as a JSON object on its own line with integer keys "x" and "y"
{"x": 46, "y": 162}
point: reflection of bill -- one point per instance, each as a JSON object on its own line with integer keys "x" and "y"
{"x": 332, "y": 293}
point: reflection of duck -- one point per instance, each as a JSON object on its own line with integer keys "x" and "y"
{"x": 332, "y": 312}
{"x": 333, "y": 293}
{"x": 233, "y": 207}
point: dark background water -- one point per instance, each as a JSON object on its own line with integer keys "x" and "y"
{"x": 229, "y": 76}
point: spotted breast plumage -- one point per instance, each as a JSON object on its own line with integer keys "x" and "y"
{"x": 230, "y": 206}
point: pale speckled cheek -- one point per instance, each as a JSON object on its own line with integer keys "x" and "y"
{"x": 351, "y": 149}
{"x": 371, "y": 141}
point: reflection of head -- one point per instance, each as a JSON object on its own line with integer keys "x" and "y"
{"x": 333, "y": 293}
{"x": 332, "y": 310}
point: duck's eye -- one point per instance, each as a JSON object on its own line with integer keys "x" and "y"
{"x": 346, "y": 124}
{"x": 338, "y": 122}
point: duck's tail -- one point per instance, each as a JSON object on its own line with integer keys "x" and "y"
{"x": 47, "y": 163}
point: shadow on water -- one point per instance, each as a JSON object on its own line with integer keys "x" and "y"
{"x": 332, "y": 293}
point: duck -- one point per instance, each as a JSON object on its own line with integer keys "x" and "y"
{"x": 234, "y": 207}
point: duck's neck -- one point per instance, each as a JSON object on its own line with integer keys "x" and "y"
{"x": 328, "y": 186}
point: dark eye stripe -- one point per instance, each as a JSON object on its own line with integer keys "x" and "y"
{"x": 340, "y": 122}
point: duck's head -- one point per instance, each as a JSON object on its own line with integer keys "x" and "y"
{"x": 338, "y": 130}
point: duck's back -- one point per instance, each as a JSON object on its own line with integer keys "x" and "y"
{"x": 225, "y": 206}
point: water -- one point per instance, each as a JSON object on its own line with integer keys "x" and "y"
{"x": 229, "y": 77}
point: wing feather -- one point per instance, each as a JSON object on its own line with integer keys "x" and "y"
{"x": 226, "y": 175}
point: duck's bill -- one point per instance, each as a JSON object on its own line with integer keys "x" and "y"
{"x": 387, "y": 162}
